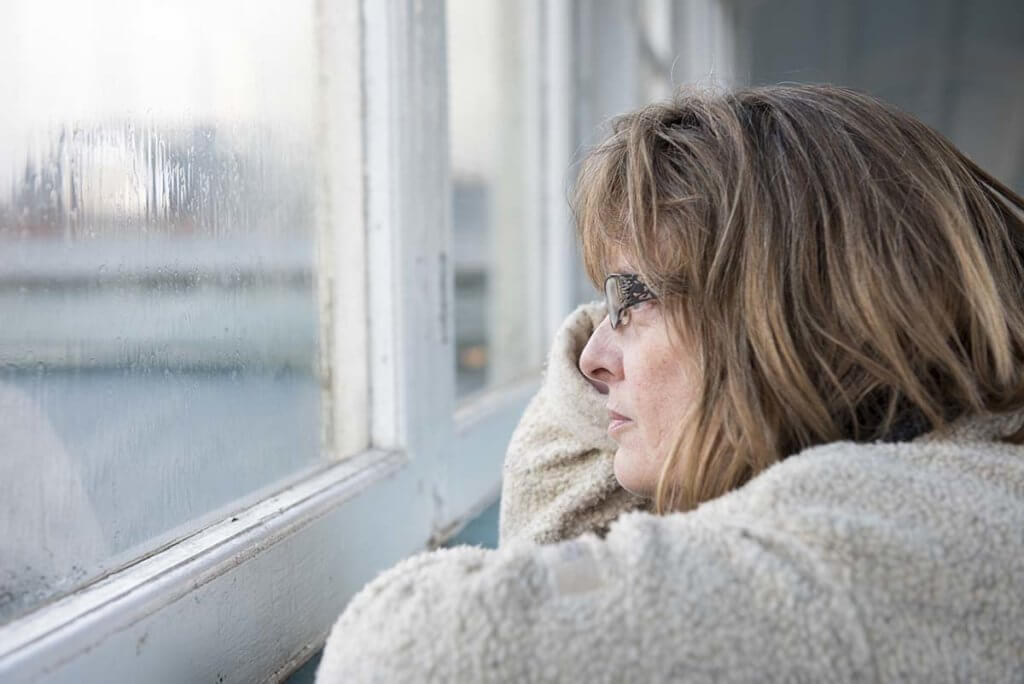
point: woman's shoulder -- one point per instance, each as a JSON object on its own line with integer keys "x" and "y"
{"x": 941, "y": 473}
{"x": 841, "y": 544}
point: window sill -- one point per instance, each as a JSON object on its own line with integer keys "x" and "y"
{"x": 87, "y": 628}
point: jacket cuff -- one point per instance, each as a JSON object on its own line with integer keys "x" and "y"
{"x": 566, "y": 386}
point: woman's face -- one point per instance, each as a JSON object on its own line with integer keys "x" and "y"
{"x": 649, "y": 382}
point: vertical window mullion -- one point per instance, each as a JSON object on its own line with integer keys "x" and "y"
{"x": 341, "y": 232}
{"x": 560, "y": 86}
{"x": 409, "y": 265}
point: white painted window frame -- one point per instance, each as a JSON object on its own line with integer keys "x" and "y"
{"x": 252, "y": 596}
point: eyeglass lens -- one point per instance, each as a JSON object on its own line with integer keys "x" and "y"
{"x": 613, "y": 299}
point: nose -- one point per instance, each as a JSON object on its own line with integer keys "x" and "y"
{"x": 601, "y": 360}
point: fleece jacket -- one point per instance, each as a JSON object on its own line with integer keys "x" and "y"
{"x": 884, "y": 561}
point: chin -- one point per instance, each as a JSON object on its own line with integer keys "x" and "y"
{"x": 633, "y": 475}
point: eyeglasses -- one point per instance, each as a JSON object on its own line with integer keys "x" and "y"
{"x": 621, "y": 291}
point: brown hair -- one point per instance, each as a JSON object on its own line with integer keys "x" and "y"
{"x": 840, "y": 270}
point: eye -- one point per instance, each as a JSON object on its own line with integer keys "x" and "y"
{"x": 640, "y": 306}
{"x": 632, "y": 310}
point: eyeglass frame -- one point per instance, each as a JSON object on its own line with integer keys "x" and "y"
{"x": 628, "y": 291}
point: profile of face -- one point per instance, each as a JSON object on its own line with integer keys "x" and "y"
{"x": 649, "y": 382}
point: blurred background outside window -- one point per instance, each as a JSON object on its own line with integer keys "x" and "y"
{"x": 958, "y": 65}
{"x": 158, "y": 350}
{"x": 493, "y": 129}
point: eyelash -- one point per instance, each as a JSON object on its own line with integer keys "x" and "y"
{"x": 638, "y": 307}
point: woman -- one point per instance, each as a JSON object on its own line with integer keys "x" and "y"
{"x": 809, "y": 366}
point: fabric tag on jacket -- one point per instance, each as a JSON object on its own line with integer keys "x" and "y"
{"x": 573, "y": 566}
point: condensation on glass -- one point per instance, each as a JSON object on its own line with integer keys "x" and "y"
{"x": 491, "y": 131}
{"x": 157, "y": 293}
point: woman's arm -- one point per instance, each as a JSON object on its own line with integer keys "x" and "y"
{"x": 658, "y": 599}
{"x": 558, "y": 479}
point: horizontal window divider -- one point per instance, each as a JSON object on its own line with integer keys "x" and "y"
{"x": 476, "y": 454}
{"x": 456, "y": 525}
{"x": 69, "y": 627}
{"x": 482, "y": 406}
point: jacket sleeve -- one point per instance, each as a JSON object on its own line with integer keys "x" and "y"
{"x": 558, "y": 479}
{"x": 656, "y": 600}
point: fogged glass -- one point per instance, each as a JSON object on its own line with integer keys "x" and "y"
{"x": 159, "y": 319}
{"x": 489, "y": 128}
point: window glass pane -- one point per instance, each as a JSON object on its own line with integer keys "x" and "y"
{"x": 492, "y": 129}
{"x": 159, "y": 340}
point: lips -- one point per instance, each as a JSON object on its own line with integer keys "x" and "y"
{"x": 617, "y": 421}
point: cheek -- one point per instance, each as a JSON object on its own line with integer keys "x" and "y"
{"x": 660, "y": 388}
{"x": 664, "y": 397}
{"x": 659, "y": 426}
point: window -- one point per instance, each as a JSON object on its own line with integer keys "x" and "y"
{"x": 159, "y": 353}
{"x": 228, "y": 260}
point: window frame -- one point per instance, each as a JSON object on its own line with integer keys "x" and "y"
{"x": 252, "y": 596}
